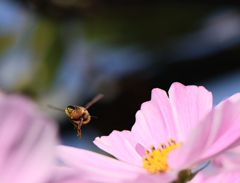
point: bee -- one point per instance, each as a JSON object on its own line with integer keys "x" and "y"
{"x": 79, "y": 115}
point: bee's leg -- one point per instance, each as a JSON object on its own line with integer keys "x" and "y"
{"x": 79, "y": 128}
{"x": 74, "y": 122}
{"x": 79, "y": 132}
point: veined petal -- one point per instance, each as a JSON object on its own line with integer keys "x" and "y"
{"x": 141, "y": 131}
{"x": 94, "y": 167}
{"x": 218, "y": 132}
{"x": 225, "y": 127}
{"x": 190, "y": 104}
{"x": 122, "y": 145}
{"x": 155, "y": 121}
{"x": 163, "y": 118}
{"x": 166, "y": 122}
{"x": 158, "y": 122}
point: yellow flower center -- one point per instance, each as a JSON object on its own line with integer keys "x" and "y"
{"x": 155, "y": 161}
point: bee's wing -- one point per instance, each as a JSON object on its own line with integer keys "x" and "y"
{"x": 56, "y": 108}
{"x": 94, "y": 100}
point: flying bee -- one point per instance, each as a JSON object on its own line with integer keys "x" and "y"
{"x": 79, "y": 115}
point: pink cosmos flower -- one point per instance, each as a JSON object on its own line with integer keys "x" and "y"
{"x": 27, "y": 140}
{"x": 171, "y": 134}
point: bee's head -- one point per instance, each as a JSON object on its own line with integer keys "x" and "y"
{"x": 74, "y": 112}
{"x": 70, "y": 110}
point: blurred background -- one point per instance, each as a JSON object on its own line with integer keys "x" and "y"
{"x": 62, "y": 52}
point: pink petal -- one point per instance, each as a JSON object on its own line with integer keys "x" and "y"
{"x": 190, "y": 104}
{"x": 27, "y": 140}
{"x": 123, "y": 146}
{"x": 155, "y": 121}
{"x": 232, "y": 177}
{"x": 162, "y": 118}
{"x": 166, "y": 120}
{"x": 141, "y": 131}
{"x": 227, "y": 162}
{"x": 94, "y": 167}
{"x": 218, "y": 132}
{"x": 225, "y": 128}
{"x": 62, "y": 174}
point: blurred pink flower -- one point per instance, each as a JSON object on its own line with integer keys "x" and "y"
{"x": 27, "y": 140}
{"x": 170, "y": 134}
{"x": 228, "y": 161}
{"x": 224, "y": 177}
{"x": 224, "y": 168}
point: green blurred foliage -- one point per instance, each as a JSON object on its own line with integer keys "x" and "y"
{"x": 5, "y": 42}
{"x": 48, "y": 46}
{"x": 44, "y": 40}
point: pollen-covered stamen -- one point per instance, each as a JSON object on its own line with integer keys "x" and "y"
{"x": 155, "y": 161}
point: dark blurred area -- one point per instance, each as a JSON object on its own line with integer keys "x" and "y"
{"x": 65, "y": 52}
